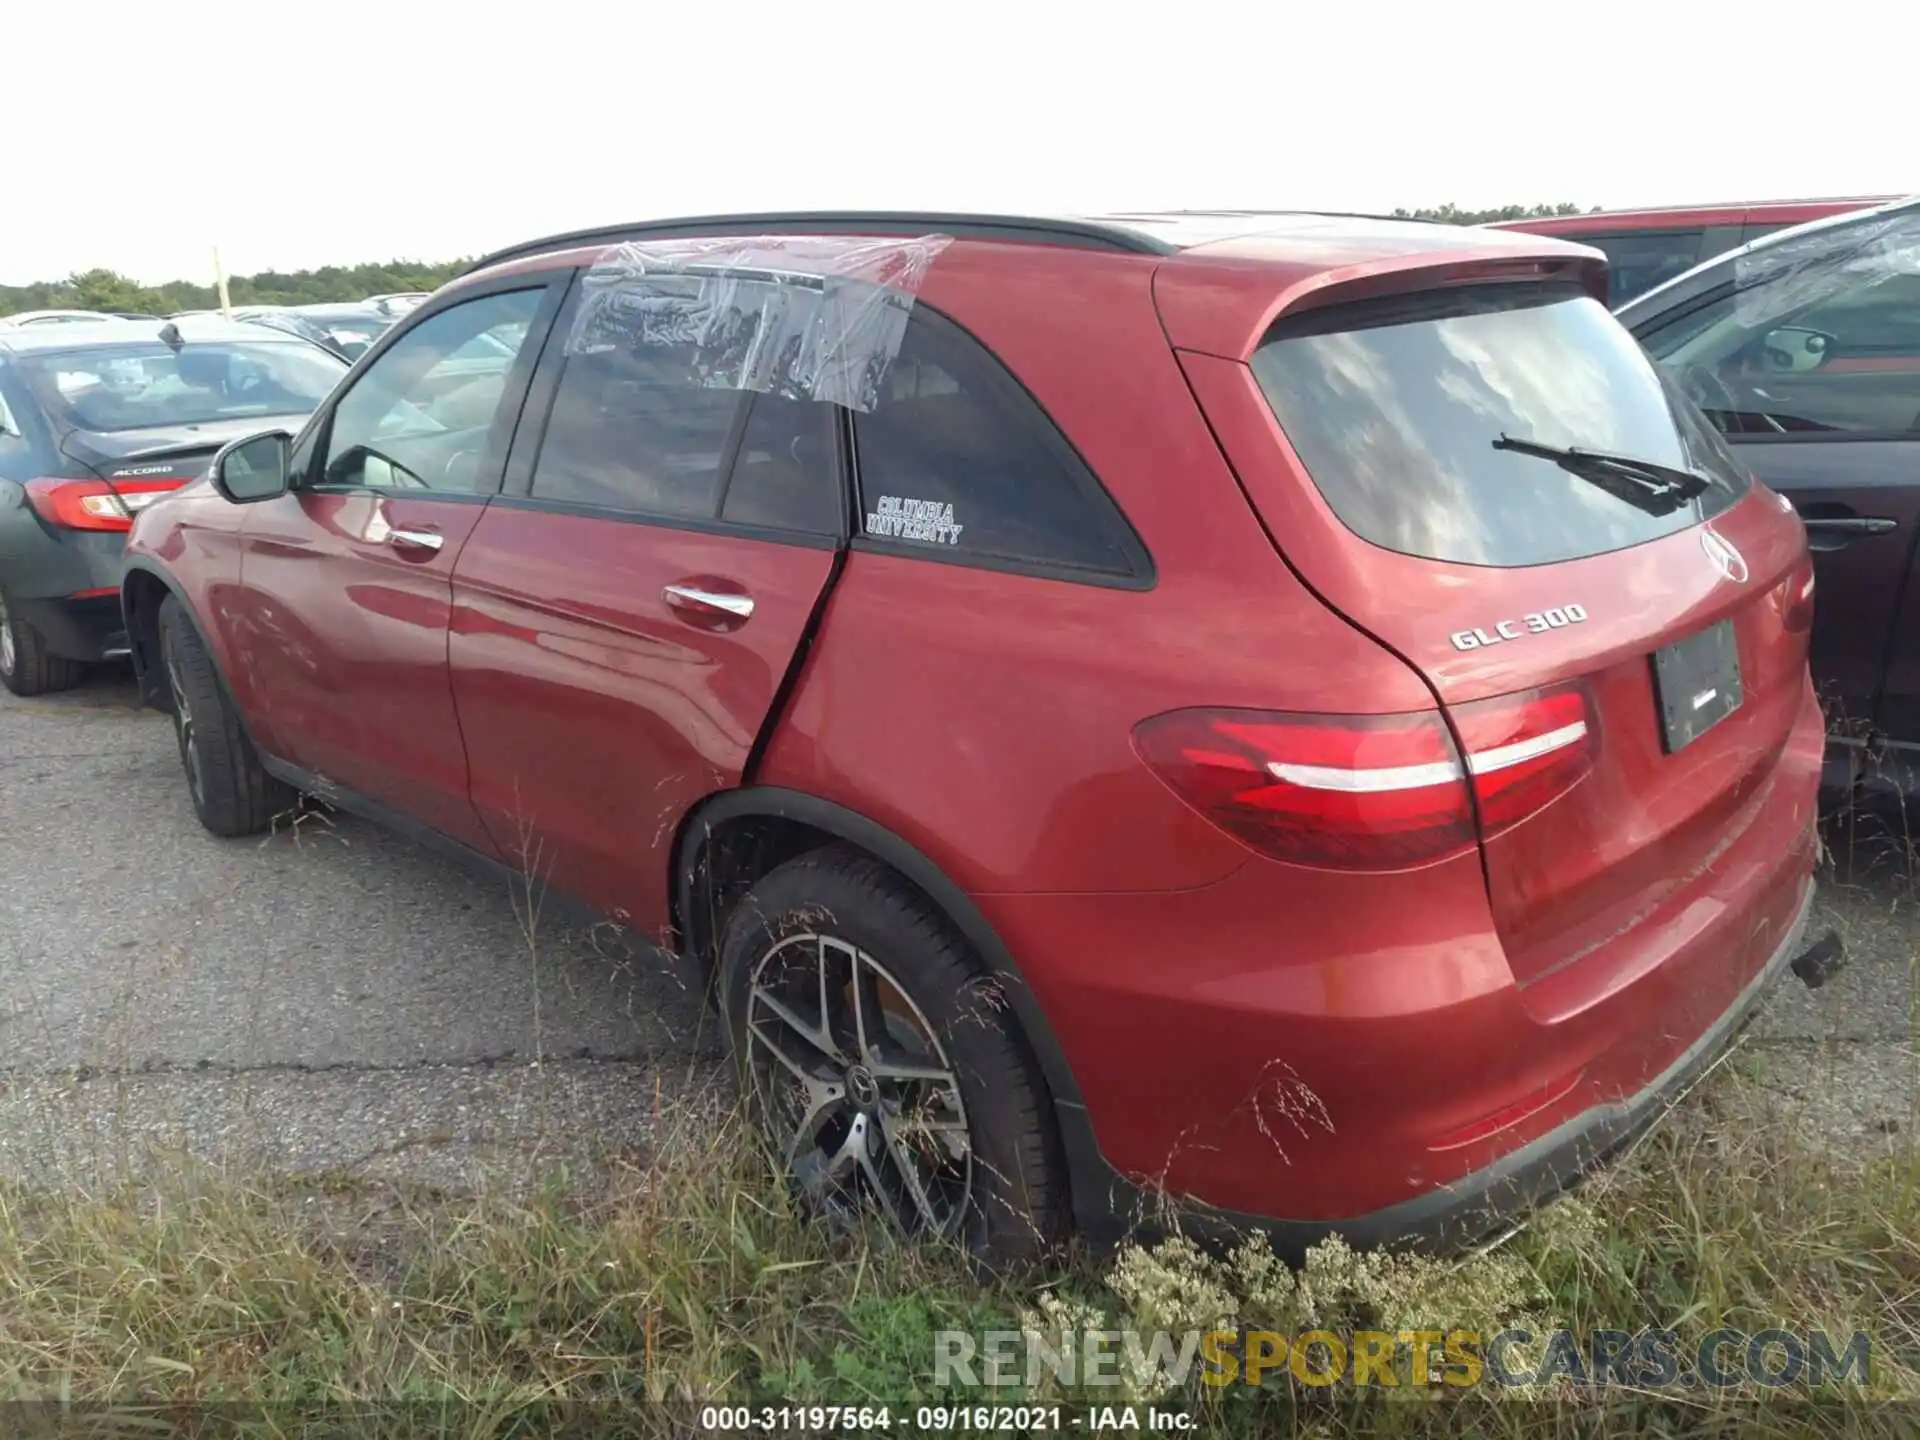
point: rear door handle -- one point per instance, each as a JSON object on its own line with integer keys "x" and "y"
{"x": 418, "y": 539}
{"x": 710, "y": 603}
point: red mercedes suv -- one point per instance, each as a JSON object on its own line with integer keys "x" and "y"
{"x": 1288, "y": 711}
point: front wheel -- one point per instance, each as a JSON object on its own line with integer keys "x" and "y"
{"x": 882, "y": 1065}
{"x": 232, "y": 793}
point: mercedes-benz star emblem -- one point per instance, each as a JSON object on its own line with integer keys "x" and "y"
{"x": 1725, "y": 558}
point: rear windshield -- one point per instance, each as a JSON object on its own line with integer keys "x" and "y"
{"x": 1394, "y": 406}
{"x": 133, "y": 387}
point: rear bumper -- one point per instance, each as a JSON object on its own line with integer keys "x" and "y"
{"x": 91, "y": 628}
{"x": 1478, "y": 1203}
{"x": 1321, "y": 1052}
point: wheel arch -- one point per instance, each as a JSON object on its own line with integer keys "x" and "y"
{"x": 697, "y": 909}
{"x": 144, "y": 587}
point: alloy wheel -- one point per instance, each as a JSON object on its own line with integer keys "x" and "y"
{"x": 856, "y": 1089}
{"x": 183, "y": 722}
{"x": 9, "y": 655}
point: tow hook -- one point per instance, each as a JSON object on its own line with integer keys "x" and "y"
{"x": 1821, "y": 961}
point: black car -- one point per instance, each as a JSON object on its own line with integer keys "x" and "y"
{"x": 98, "y": 420}
{"x": 1804, "y": 349}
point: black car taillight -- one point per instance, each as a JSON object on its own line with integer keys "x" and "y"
{"x": 95, "y": 504}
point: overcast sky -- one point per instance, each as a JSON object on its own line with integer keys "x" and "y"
{"x": 354, "y": 131}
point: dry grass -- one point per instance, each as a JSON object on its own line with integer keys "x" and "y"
{"x": 240, "y": 1301}
{"x": 693, "y": 1281}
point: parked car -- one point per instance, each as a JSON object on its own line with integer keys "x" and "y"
{"x": 1077, "y": 777}
{"x": 1645, "y": 248}
{"x": 294, "y": 323}
{"x": 1804, "y": 349}
{"x": 356, "y": 327}
{"x": 96, "y": 422}
{"x": 51, "y": 317}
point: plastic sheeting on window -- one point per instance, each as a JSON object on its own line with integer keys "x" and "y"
{"x": 802, "y": 317}
{"x": 1783, "y": 279}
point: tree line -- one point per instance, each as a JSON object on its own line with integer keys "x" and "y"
{"x": 330, "y": 284}
{"x": 335, "y": 284}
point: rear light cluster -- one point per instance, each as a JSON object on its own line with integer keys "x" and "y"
{"x": 1373, "y": 792}
{"x": 94, "y": 504}
{"x": 1795, "y": 598}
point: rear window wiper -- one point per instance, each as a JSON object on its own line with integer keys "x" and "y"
{"x": 1644, "y": 484}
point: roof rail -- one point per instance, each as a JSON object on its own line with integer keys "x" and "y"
{"x": 1091, "y": 234}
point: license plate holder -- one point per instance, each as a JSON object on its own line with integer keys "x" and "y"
{"x": 1696, "y": 683}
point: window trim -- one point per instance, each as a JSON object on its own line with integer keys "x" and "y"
{"x": 1141, "y": 574}
{"x": 317, "y": 435}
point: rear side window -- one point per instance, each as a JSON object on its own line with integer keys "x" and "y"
{"x": 1638, "y": 260}
{"x": 1394, "y": 408}
{"x": 958, "y": 461}
{"x": 635, "y": 430}
{"x": 639, "y": 430}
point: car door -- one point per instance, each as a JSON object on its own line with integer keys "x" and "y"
{"x": 626, "y": 613}
{"x": 347, "y": 578}
{"x": 1813, "y": 375}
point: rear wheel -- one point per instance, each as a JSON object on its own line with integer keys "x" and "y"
{"x": 232, "y": 792}
{"x": 882, "y": 1065}
{"x": 27, "y": 667}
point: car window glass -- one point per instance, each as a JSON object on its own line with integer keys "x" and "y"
{"x": 147, "y": 385}
{"x": 1399, "y": 409}
{"x": 1638, "y": 260}
{"x": 957, "y": 459}
{"x": 420, "y": 417}
{"x": 785, "y": 475}
{"x": 634, "y": 429}
{"x": 1847, "y": 362}
{"x": 15, "y": 448}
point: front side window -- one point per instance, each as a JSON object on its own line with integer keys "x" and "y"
{"x": 1406, "y": 411}
{"x": 420, "y": 418}
{"x": 149, "y": 385}
{"x": 1816, "y": 336}
{"x": 957, "y": 460}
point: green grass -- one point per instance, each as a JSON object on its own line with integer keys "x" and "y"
{"x": 692, "y": 1281}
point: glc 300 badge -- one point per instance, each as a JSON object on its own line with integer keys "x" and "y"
{"x": 1558, "y": 617}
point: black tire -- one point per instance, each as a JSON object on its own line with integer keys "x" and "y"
{"x": 27, "y": 667}
{"x": 1013, "y": 1203}
{"x": 231, "y": 793}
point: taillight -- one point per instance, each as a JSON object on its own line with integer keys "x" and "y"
{"x": 94, "y": 504}
{"x": 1524, "y": 751}
{"x": 1796, "y": 599}
{"x": 1371, "y": 792}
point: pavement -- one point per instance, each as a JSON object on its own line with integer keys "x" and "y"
{"x": 332, "y": 999}
{"x": 327, "y": 999}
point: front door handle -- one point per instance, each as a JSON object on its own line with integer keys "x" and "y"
{"x": 418, "y": 539}
{"x": 713, "y": 604}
